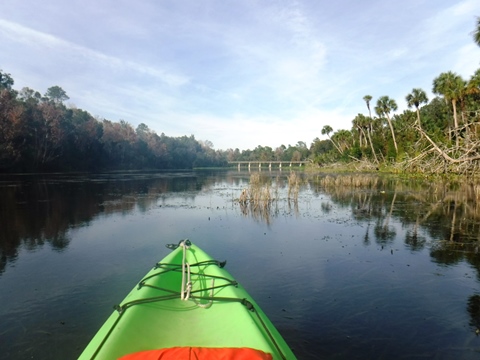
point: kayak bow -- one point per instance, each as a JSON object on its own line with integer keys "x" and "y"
{"x": 188, "y": 307}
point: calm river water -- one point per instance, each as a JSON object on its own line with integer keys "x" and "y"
{"x": 355, "y": 267}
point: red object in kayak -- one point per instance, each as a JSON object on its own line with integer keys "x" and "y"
{"x": 199, "y": 353}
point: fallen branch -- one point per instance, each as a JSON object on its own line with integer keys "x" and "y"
{"x": 444, "y": 154}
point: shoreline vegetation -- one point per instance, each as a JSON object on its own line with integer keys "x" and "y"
{"x": 273, "y": 194}
{"x": 266, "y": 197}
{"x": 39, "y": 133}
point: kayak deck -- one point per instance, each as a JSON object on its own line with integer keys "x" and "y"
{"x": 186, "y": 300}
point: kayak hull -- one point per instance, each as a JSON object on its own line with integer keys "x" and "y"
{"x": 218, "y": 313}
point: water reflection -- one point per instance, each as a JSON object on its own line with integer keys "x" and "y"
{"x": 473, "y": 308}
{"x": 348, "y": 277}
{"x": 446, "y": 212}
{"x": 413, "y": 240}
{"x": 35, "y": 211}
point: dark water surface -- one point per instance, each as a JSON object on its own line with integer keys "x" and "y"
{"x": 358, "y": 267}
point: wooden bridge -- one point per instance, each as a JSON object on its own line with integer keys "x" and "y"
{"x": 265, "y": 162}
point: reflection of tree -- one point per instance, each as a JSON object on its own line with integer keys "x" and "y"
{"x": 364, "y": 209}
{"x": 473, "y": 308}
{"x": 39, "y": 211}
{"x": 449, "y": 212}
{"x": 446, "y": 255}
{"x": 453, "y": 204}
{"x": 451, "y": 252}
{"x": 460, "y": 238}
{"x": 413, "y": 240}
{"x": 33, "y": 214}
{"x": 366, "y": 237}
{"x": 383, "y": 231}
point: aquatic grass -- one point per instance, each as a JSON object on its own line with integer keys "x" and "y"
{"x": 258, "y": 197}
{"x": 293, "y": 186}
{"x": 261, "y": 195}
{"x": 258, "y": 194}
{"x": 351, "y": 180}
{"x": 263, "y": 192}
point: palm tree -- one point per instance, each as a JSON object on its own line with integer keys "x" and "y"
{"x": 476, "y": 32}
{"x": 385, "y": 105}
{"x": 362, "y": 122}
{"x": 452, "y": 87}
{"x": 472, "y": 89}
{"x": 359, "y": 127}
{"x": 473, "y": 85}
{"x": 344, "y": 139}
{"x": 326, "y": 130}
{"x": 367, "y": 99}
{"x": 416, "y": 98}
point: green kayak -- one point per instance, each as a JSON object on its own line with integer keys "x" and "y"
{"x": 187, "y": 307}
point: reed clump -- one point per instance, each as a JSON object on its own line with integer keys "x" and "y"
{"x": 293, "y": 186}
{"x": 351, "y": 181}
{"x": 259, "y": 193}
{"x": 260, "y": 199}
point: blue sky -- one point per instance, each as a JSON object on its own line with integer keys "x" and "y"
{"x": 237, "y": 73}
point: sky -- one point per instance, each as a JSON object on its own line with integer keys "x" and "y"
{"x": 238, "y": 73}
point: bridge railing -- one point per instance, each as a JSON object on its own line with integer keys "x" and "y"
{"x": 259, "y": 162}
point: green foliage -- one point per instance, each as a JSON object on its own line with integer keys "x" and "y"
{"x": 416, "y": 98}
{"x": 56, "y": 94}
{"x": 436, "y": 117}
{"x": 320, "y": 147}
{"x": 356, "y": 152}
{"x": 476, "y": 32}
{"x": 6, "y": 81}
{"x": 391, "y": 153}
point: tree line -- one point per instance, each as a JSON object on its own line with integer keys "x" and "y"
{"x": 40, "y": 133}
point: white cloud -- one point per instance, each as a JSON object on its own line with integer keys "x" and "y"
{"x": 42, "y": 41}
